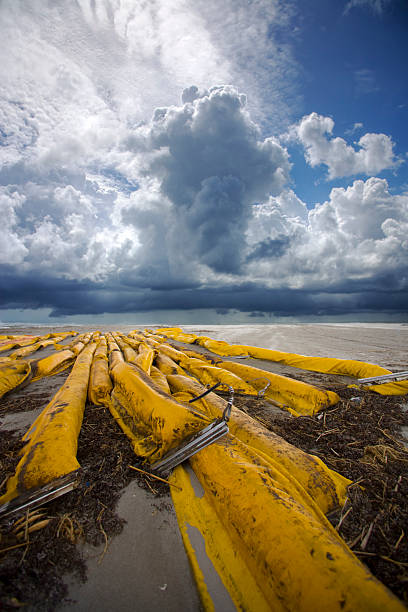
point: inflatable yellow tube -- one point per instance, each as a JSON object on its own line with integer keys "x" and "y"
{"x": 173, "y": 353}
{"x": 166, "y": 364}
{"x": 223, "y": 579}
{"x": 53, "y": 364}
{"x": 325, "y": 486}
{"x": 223, "y": 348}
{"x": 297, "y": 560}
{"x": 145, "y": 357}
{"x": 331, "y": 365}
{"x": 132, "y": 342}
{"x": 159, "y": 379}
{"x": 137, "y": 336}
{"x": 130, "y": 354}
{"x": 152, "y": 336}
{"x": 17, "y": 342}
{"x": 138, "y": 353}
{"x": 14, "y": 375}
{"x": 52, "y": 440}
{"x": 297, "y": 396}
{"x": 208, "y": 374}
{"x": 201, "y": 356}
{"x": 28, "y": 350}
{"x": 153, "y": 421}
{"x": 100, "y": 384}
{"x": 130, "y": 351}
{"x": 177, "y": 334}
{"x": 325, "y": 365}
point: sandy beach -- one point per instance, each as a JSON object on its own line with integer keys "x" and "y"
{"x": 145, "y": 566}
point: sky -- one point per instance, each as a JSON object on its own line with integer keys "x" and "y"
{"x": 170, "y": 161}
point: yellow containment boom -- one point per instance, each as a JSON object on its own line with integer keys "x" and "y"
{"x": 100, "y": 384}
{"x": 10, "y": 342}
{"x": 13, "y": 375}
{"x": 298, "y": 397}
{"x": 326, "y": 365}
{"x": 60, "y": 360}
{"x": 154, "y": 422}
{"x": 53, "y": 364}
{"x": 295, "y": 396}
{"x": 28, "y": 350}
{"x": 254, "y": 544}
{"x": 325, "y": 486}
{"x": 208, "y": 374}
{"x": 167, "y": 365}
{"x": 176, "y": 333}
{"x": 50, "y": 452}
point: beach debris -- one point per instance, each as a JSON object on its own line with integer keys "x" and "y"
{"x": 31, "y": 522}
{"x": 171, "y": 484}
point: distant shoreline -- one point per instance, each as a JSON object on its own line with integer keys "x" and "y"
{"x": 380, "y": 343}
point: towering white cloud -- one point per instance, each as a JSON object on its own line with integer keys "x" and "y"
{"x": 358, "y": 234}
{"x": 210, "y": 165}
{"x": 374, "y": 153}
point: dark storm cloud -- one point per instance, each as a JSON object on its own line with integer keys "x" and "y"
{"x": 73, "y": 297}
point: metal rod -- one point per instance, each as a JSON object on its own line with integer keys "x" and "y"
{"x": 31, "y": 499}
{"x": 384, "y": 378}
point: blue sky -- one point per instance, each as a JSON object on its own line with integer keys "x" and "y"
{"x": 352, "y": 69}
{"x": 203, "y": 161}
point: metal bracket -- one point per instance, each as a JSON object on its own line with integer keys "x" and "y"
{"x": 379, "y": 380}
{"x": 37, "y": 497}
{"x": 214, "y": 431}
{"x": 203, "y": 438}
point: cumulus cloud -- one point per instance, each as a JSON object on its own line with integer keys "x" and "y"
{"x": 375, "y": 152}
{"x": 61, "y": 231}
{"x": 210, "y": 164}
{"x": 200, "y": 167}
{"x": 354, "y": 242}
{"x": 93, "y": 67}
{"x": 358, "y": 224}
